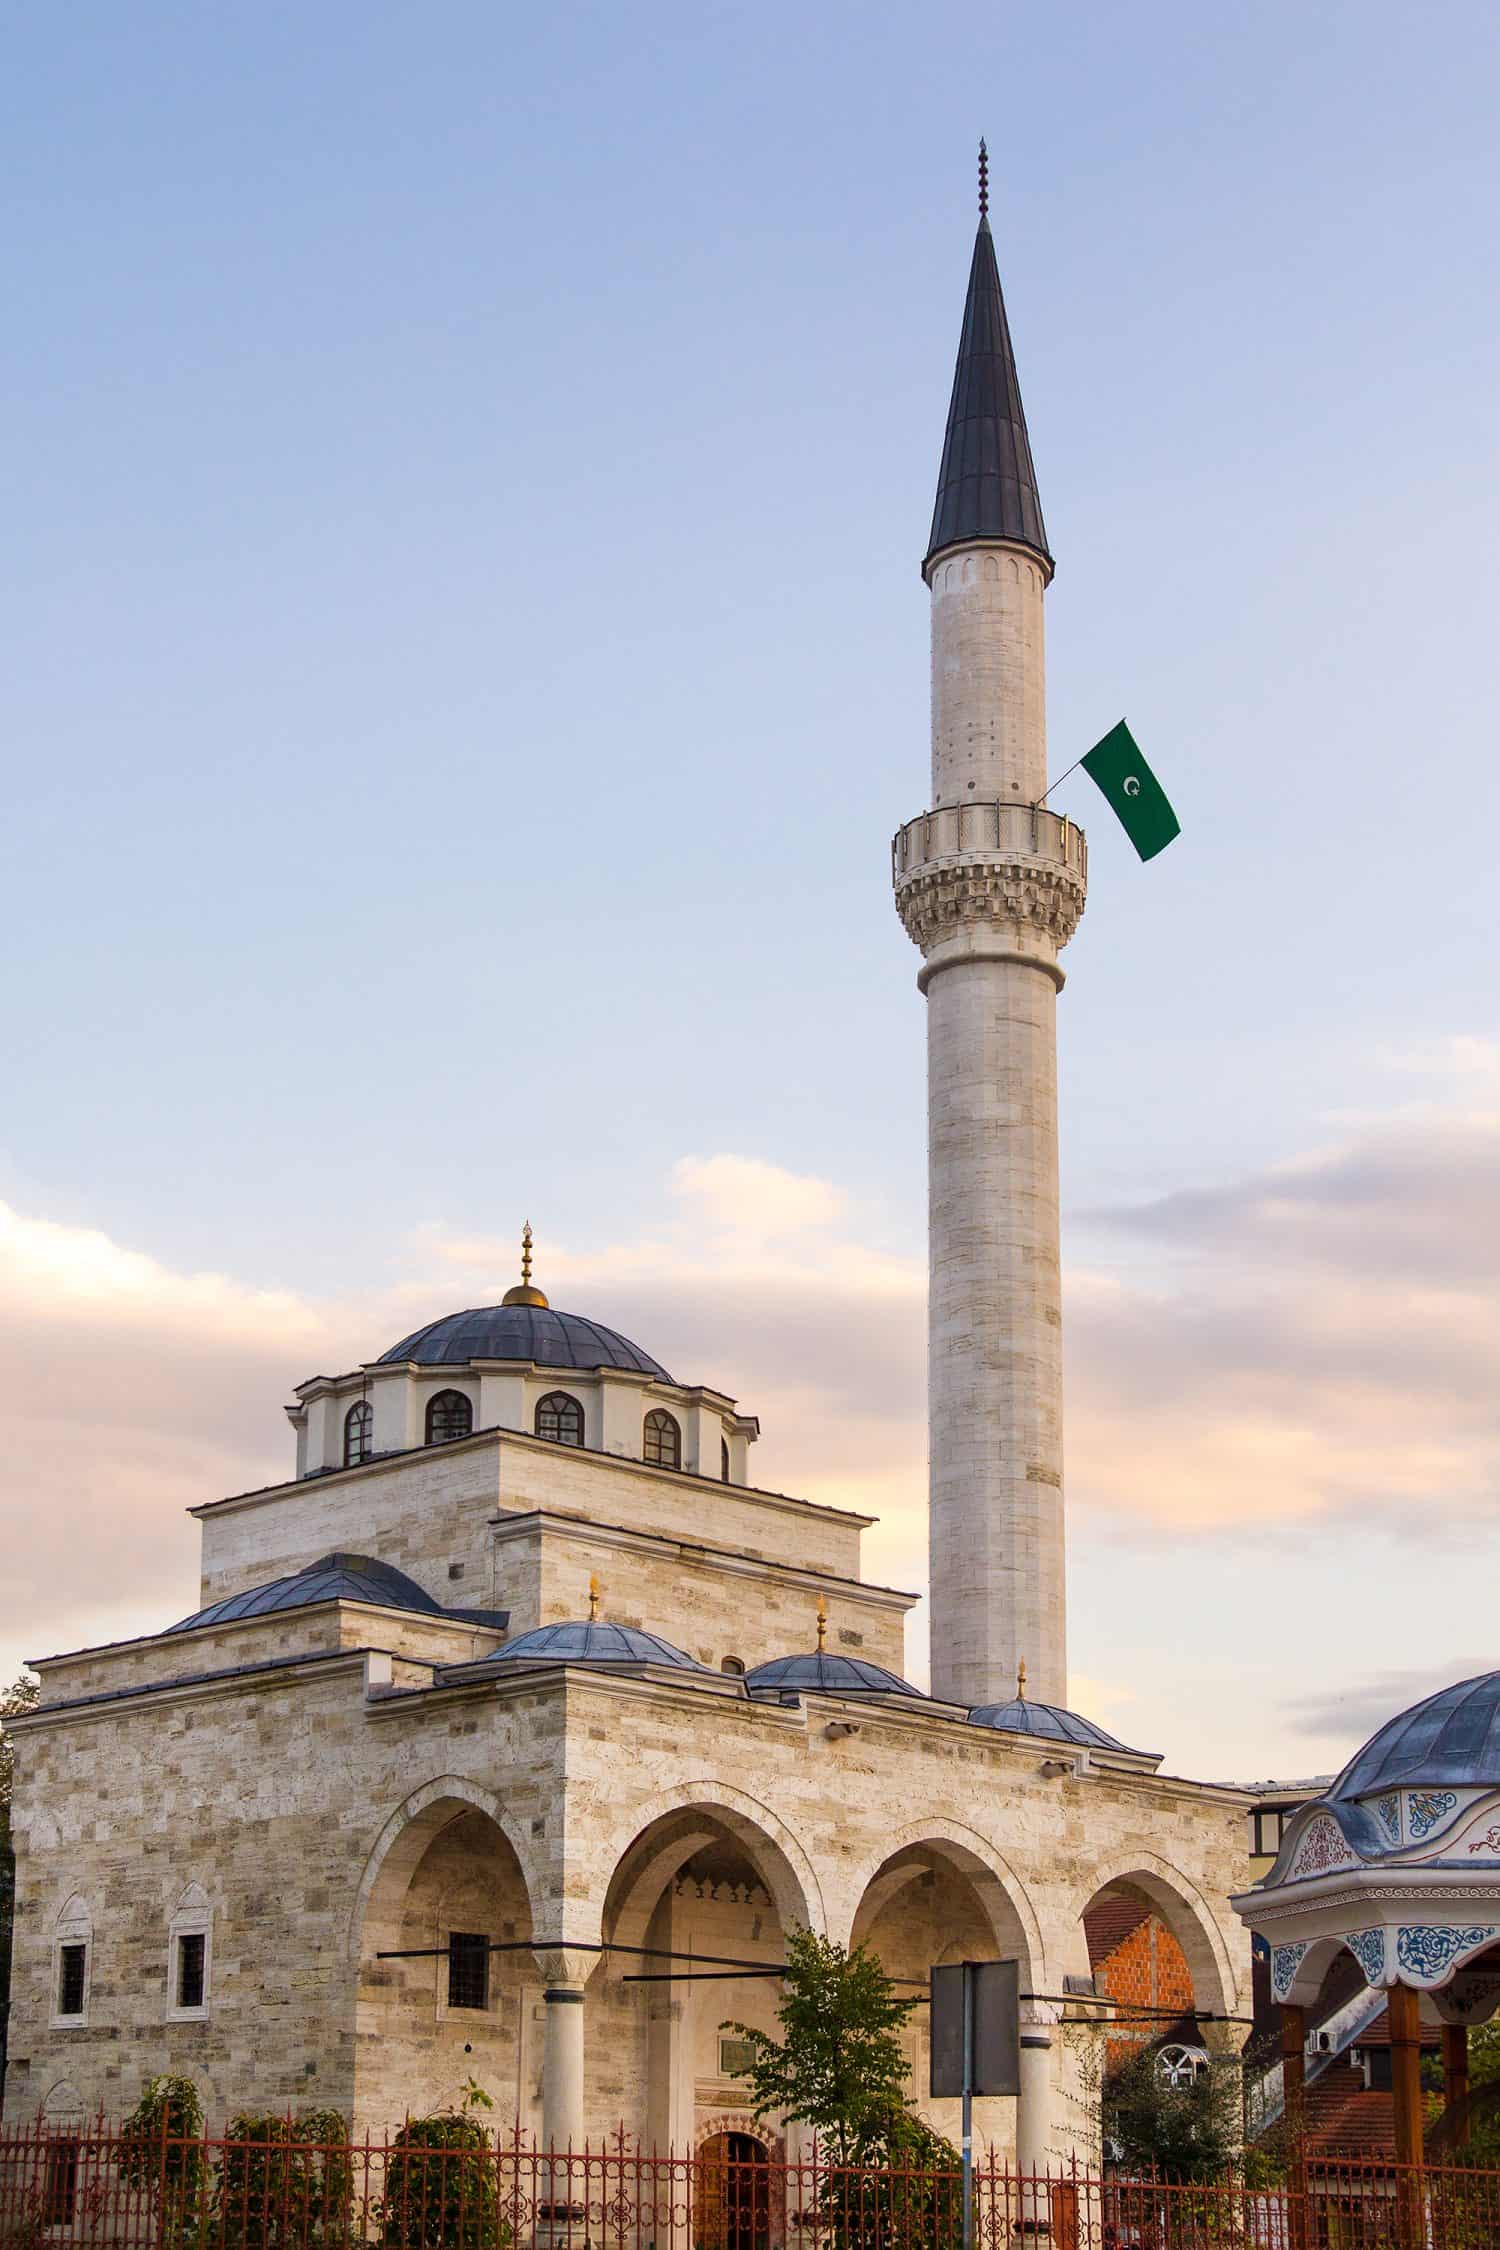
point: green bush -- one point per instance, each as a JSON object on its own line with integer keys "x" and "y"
{"x": 441, "y": 2187}
{"x": 282, "y": 2182}
{"x": 160, "y": 2156}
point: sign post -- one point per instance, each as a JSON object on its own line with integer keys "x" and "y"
{"x": 975, "y": 2046}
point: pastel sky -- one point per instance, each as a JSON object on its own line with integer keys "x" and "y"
{"x": 466, "y": 469}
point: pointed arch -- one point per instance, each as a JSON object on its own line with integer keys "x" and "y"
{"x": 1186, "y": 1913}
{"x": 1003, "y": 1896}
{"x": 411, "y": 1828}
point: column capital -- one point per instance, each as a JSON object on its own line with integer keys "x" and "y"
{"x": 564, "y": 1967}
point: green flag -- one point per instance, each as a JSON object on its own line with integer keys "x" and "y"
{"x": 1117, "y": 767}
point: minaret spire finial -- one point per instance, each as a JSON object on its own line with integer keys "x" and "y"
{"x": 526, "y": 1254}
{"x": 822, "y": 1623}
{"x": 593, "y": 1598}
{"x": 984, "y": 181}
{"x": 1021, "y": 1681}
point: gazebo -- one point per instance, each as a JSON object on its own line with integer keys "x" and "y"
{"x": 1399, "y": 1862}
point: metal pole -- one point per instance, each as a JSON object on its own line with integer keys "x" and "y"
{"x": 968, "y": 2114}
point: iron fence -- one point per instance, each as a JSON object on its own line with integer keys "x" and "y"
{"x": 111, "y": 2189}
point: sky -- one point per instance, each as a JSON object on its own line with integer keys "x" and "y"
{"x": 466, "y": 470}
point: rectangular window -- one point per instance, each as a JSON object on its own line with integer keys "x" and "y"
{"x": 468, "y": 1969}
{"x": 192, "y": 1948}
{"x": 72, "y": 1962}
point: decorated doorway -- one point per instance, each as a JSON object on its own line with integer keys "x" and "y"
{"x": 734, "y": 2194}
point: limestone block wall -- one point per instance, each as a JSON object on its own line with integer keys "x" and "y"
{"x": 326, "y": 1831}
{"x": 713, "y": 1605}
{"x": 260, "y": 1640}
{"x": 430, "y": 1513}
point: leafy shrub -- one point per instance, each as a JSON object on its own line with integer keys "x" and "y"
{"x": 441, "y": 2189}
{"x": 282, "y": 2182}
{"x": 160, "y": 2155}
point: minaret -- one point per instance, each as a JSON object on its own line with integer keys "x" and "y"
{"x": 991, "y": 888}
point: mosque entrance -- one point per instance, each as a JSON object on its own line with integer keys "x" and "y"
{"x": 734, "y": 2195}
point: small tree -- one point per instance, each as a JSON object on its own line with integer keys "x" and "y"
{"x": 441, "y": 2185}
{"x": 1185, "y": 2132}
{"x": 839, "y": 2065}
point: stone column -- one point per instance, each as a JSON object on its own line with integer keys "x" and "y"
{"x": 564, "y": 1972}
{"x": 1034, "y": 2152}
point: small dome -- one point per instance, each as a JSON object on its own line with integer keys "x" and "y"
{"x": 591, "y": 1641}
{"x": 526, "y": 1332}
{"x": 1048, "y": 1722}
{"x": 336, "y": 1577}
{"x": 1449, "y": 1741}
{"x": 832, "y": 1675}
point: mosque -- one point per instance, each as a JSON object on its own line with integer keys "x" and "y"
{"x": 519, "y": 1722}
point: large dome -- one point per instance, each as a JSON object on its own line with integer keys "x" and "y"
{"x": 1450, "y": 1741}
{"x": 527, "y": 1332}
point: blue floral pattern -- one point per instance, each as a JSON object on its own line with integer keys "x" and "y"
{"x": 1388, "y": 1813}
{"x": 1286, "y": 1960}
{"x": 1425, "y": 1808}
{"x": 1427, "y": 1953}
{"x": 1368, "y": 1948}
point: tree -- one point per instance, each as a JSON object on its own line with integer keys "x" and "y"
{"x": 839, "y": 2065}
{"x": 19, "y": 1697}
{"x": 160, "y": 2156}
{"x": 1185, "y": 2132}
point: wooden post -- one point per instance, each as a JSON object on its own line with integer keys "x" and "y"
{"x": 1293, "y": 2087}
{"x": 1404, "y": 2017}
{"x": 1456, "y": 2074}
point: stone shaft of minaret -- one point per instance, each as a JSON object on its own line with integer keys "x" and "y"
{"x": 991, "y": 886}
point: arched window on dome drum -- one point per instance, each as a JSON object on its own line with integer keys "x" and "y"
{"x": 359, "y": 1433}
{"x": 661, "y": 1441}
{"x": 724, "y": 1460}
{"x": 450, "y": 1414}
{"x": 560, "y": 1418}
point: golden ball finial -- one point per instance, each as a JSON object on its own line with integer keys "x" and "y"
{"x": 593, "y": 1598}
{"x": 822, "y": 1624}
{"x": 523, "y": 1293}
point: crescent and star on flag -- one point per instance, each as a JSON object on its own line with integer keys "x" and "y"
{"x": 1130, "y": 788}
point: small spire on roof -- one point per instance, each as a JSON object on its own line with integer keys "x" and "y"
{"x": 593, "y": 1598}
{"x": 822, "y": 1623}
{"x": 1021, "y": 1681}
{"x": 984, "y": 181}
{"x": 523, "y": 1293}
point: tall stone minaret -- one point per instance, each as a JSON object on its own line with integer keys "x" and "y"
{"x": 991, "y": 889}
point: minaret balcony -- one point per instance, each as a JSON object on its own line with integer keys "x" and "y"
{"x": 986, "y": 866}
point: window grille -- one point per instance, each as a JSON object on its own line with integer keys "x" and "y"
{"x": 449, "y": 1415}
{"x": 359, "y": 1434}
{"x": 72, "y": 1964}
{"x": 560, "y": 1418}
{"x": 662, "y": 1440}
{"x": 468, "y": 1969}
{"x": 60, "y": 2195}
{"x": 192, "y": 1957}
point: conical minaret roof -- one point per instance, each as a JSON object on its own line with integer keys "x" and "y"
{"x": 987, "y": 484}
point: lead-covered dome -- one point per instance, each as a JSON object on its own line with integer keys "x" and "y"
{"x": 590, "y": 1641}
{"x": 1450, "y": 1741}
{"x": 1048, "y": 1721}
{"x": 828, "y": 1673}
{"x": 523, "y": 1332}
{"x": 336, "y": 1577}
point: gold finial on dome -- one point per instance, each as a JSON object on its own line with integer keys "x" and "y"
{"x": 822, "y": 1624}
{"x": 523, "y": 1293}
{"x": 1021, "y": 1681}
{"x": 593, "y": 1598}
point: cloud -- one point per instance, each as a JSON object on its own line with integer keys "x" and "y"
{"x": 1357, "y": 1710}
{"x": 1313, "y": 1344}
{"x": 1317, "y": 1340}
